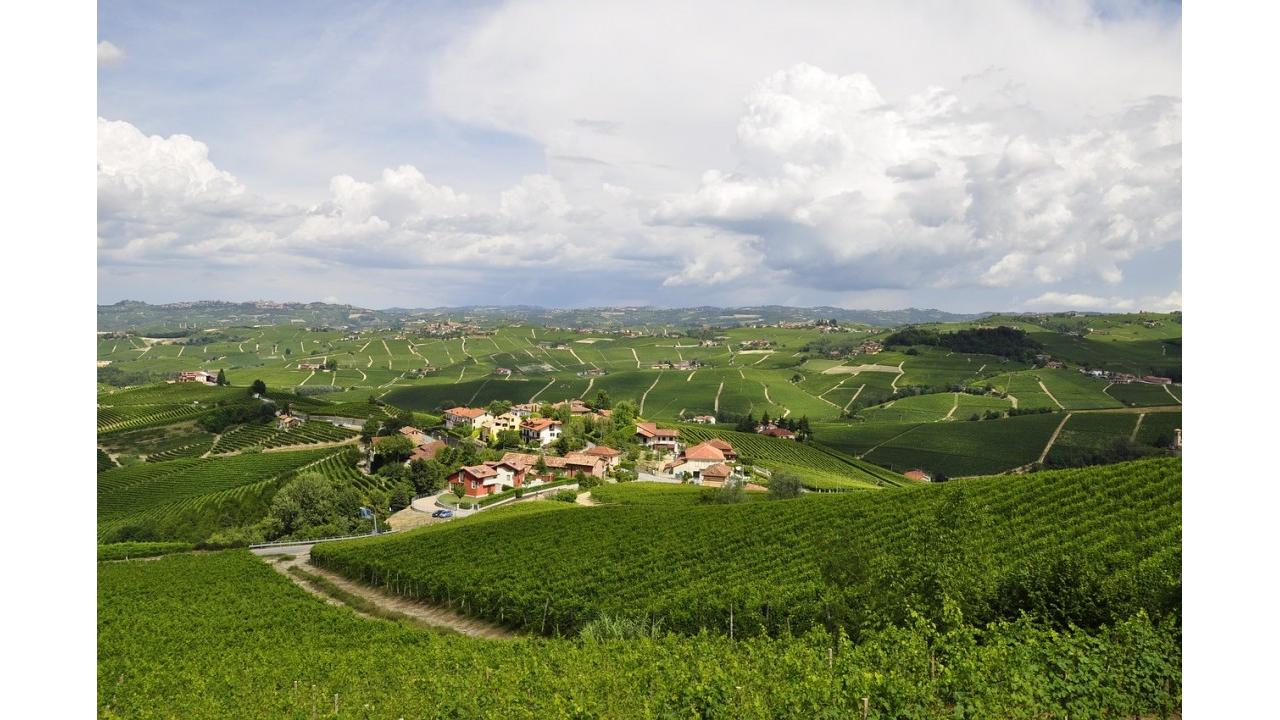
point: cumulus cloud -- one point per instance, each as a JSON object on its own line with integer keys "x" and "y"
{"x": 109, "y": 55}
{"x": 815, "y": 166}
{"x": 931, "y": 191}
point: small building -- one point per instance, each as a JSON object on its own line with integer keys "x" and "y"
{"x": 543, "y": 431}
{"x": 918, "y": 475}
{"x": 772, "y": 430}
{"x": 1156, "y": 380}
{"x": 695, "y": 459}
{"x": 414, "y": 434}
{"x": 503, "y": 372}
{"x": 704, "y": 419}
{"x": 525, "y": 409}
{"x": 477, "y": 481}
{"x": 200, "y": 376}
{"x": 310, "y": 366}
{"x": 427, "y": 451}
{"x": 611, "y": 457}
{"x": 716, "y": 474}
{"x": 871, "y": 347}
{"x": 654, "y": 437}
{"x": 288, "y": 422}
{"x": 465, "y": 417}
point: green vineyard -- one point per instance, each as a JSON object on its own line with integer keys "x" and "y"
{"x": 220, "y": 635}
{"x": 692, "y": 568}
{"x": 186, "y": 499}
{"x": 818, "y": 469}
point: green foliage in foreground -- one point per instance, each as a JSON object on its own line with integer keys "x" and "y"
{"x": 1000, "y": 546}
{"x": 127, "y": 550}
{"x": 223, "y": 635}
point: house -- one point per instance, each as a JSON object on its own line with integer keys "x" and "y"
{"x": 716, "y": 474}
{"x": 414, "y": 434}
{"x": 774, "y": 431}
{"x": 652, "y": 436}
{"x": 1156, "y": 380}
{"x": 310, "y": 366}
{"x": 506, "y": 421}
{"x": 288, "y": 422}
{"x": 199, "y": 376}
{"x": 427, "y": 451}
{"x": 611, "y": 457}
{"x": 918, "y": 475}
{"x": 576, "y": 407}
{"x": 481, "y": 480}
{"x": 526, "y": 409}
{"x": 569, "y": 464}
{"x": 465, "y": 417}
{"x": 504, "y": 372}
{"x": 543, "y": 431}
{"x": 871, "y": 347}
{"x": 695, "y": 459}
{"x": 1055, "y": 364}
{"x": 724, "y": 447}
{"x": 704, "y": 419}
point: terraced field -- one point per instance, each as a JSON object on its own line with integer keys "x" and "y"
{"x": 269, "y": 436}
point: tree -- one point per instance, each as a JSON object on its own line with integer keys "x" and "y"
{"x": 330, "y": 364}
{"x": 401, "y": 496}
{"x": 784, "y": 485}
{"x": 540, "y": 467}
{"x": 369, "y": 429}
{"x": 499, "y": 407}
{"x": 507, "y": 439}
{"x": 428, "y": 476}
{"x": 287, "y": 352}
{"x": 602, "y": 400}
{"x": 222, "y": 377}
{"x": 393, "y": 448}
{"x": 624, "y": 415}
{"x": 258, "y": 388}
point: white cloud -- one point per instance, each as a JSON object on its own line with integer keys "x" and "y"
{"x": 109, "y": 55}
{"x": 1083, "y": 301}
{"x": 815, "y": 150}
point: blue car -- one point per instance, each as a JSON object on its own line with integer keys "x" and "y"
{"x": 442, "y": 514}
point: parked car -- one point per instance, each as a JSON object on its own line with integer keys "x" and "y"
{"x": 442, "y": 514}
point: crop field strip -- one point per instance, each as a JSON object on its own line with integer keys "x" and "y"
{"x": 672, "y": 566}
{"x": 818, "y": 469}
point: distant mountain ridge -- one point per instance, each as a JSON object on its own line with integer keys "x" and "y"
{"x": 136, "y": 315}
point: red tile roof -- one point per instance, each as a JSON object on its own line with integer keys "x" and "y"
{"x": 428, "y": 451}
{"x": 539, "y": 424}
{"x": 719, "y": 470}
{"x": 720, "y": 445}
{"x": 703, "y": 451}
{"x": 466, "y": 412}
{"x": 603, "y": 451}
{"x": 479, "y": 471}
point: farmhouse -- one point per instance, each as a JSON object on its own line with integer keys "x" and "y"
{"x": 525, "y": 409}
{"x": 576, "y": 407}
{"x": 503, "y": 372}
{"x": 652, "y": 436}
{"x": 543, "y": 431}
{"x": 871, "y": 347}
{"x": 718, "y": 473}
{"x": 918, "y": 475}
{"x": 310, "y": 366}
{"x": 1156, "y": 380}
{"x": 486, "y": 479}
{"x": 774, "y": 431}
{"x": 698, "y": 458}
{"x": 465, "y": 417}
{"x": 288, "y": 422}
{"x": 427, "y": 451}
{"x": 570, "y": 463}
{"x": 704, "y": 419}
{"x": 611, "y": 457}
{"x": 200, "y": 376}
{"x": 417, "y": 436}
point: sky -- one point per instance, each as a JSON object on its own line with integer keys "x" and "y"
{"x": 1004, "y": 155}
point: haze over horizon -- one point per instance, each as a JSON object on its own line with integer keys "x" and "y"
{"x": 1028, "y": 157}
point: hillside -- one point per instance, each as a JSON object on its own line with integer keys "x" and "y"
{"x": 223, "y": 635}
{"x": 1107, "y": 540}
